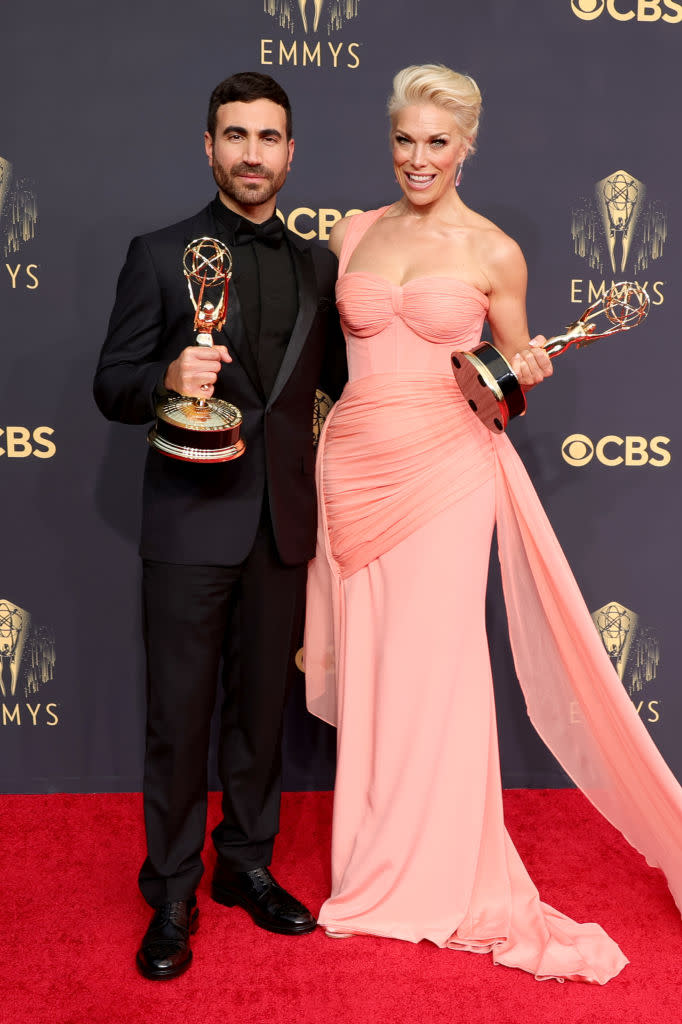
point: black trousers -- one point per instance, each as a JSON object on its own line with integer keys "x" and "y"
{"x": 251, "y": 616}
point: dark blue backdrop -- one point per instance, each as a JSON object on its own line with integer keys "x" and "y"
{"x": 102, "y": 139}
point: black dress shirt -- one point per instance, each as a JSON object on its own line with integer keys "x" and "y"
{"x": 264, "y": 278}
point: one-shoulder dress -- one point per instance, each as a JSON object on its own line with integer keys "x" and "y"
{"x": 410, "y": 487}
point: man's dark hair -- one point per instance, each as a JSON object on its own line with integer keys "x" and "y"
{"x": 245, "y": 87}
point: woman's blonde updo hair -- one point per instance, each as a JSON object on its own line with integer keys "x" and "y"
{"x": 434, "y": 83}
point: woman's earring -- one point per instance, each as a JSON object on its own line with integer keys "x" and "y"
{"x": 458, "y": 179}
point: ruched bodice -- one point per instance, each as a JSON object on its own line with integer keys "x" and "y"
{"x": 386, "y": 325}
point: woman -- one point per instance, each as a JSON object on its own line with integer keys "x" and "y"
{"x": 410, "y": 487}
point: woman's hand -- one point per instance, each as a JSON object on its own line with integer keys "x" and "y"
{"x": 531, "y": 365}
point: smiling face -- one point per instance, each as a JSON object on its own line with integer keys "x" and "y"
{"x": 427, "y": 149}
{"x": 250, "y": 156}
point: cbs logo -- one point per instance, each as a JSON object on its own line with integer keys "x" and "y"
{"x": 309, "y": 223}
{"x": 578, "y": 450}
{"x": 20, "y": 442}
{"x": 642, "y": 10}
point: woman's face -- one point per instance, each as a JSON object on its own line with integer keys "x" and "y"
{"x": 427, "y": 150}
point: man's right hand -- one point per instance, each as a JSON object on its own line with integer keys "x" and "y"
{"x": 196, "y": 370}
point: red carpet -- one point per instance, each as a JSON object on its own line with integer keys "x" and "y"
{"x": 73, "y": 920}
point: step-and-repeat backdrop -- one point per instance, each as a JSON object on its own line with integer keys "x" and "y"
{"x": 101, "y": 139}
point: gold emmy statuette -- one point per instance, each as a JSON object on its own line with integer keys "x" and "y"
{"x": 198, "y": 429}
{"x": 491, "y": 387}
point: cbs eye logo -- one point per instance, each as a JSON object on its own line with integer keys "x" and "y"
{"x": 587, "y": 10}
{"x": 579, "y": 450}
{"x": 642, "y": 10}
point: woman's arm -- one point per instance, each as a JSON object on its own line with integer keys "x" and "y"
{"x": 508, "y": 277}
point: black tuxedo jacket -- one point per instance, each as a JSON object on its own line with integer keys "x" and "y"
{"x": 207, "y": 514}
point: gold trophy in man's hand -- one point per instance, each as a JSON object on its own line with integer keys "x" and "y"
{"x": 491, "y": 387}
{"x": 202, "y": 429}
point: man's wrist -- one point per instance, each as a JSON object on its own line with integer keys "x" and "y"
{"x": 161, "y": 391}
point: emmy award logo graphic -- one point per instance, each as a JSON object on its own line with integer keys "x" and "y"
{"x": 615, "y": 629}
{"x": 12, "y": 622}
{"x": 27, "y": 652}
{"x": 18, "y": 209}
{"x": 621, "y": 199}
{"x": 303, "y": 6}
{"x": 618, "y": 227}
{"x": 321, "y": 410}
{"x": 632, "y": 648}
{"x": 312, "y": 14}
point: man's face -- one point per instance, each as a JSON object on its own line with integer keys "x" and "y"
{"x": 250, "y": 156}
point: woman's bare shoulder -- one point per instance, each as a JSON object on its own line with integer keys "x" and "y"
{"x": 495, "y": 247}
{"x": 338, "y": 233}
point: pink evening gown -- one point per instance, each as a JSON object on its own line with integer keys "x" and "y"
{"x": 410, "y": 487}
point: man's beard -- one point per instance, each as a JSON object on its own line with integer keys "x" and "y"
{"x": 248, "y": 195}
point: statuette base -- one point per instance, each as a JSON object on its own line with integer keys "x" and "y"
{"x": 197, "y": 430}
{"x": 188, "y": 454}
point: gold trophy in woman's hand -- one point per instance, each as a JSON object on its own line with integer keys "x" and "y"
{"x": 202, "y": 429}
{"x": 491, "y": 387}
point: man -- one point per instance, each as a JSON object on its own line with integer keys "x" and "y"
{"x": 224, "y": 546}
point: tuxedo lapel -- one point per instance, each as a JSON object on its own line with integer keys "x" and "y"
{"x": 307, "y": 306}
{"x": 237, "y": 341}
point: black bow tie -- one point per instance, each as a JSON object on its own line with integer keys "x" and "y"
{"x": 271, "y": 233}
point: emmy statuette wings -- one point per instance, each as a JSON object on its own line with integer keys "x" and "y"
{"x": 491, "y": 387}
{"x": 197, "y": 429}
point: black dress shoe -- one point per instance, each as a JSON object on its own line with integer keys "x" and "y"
{"x": 165, "y": 951}
{"x": 270, "y": 906}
